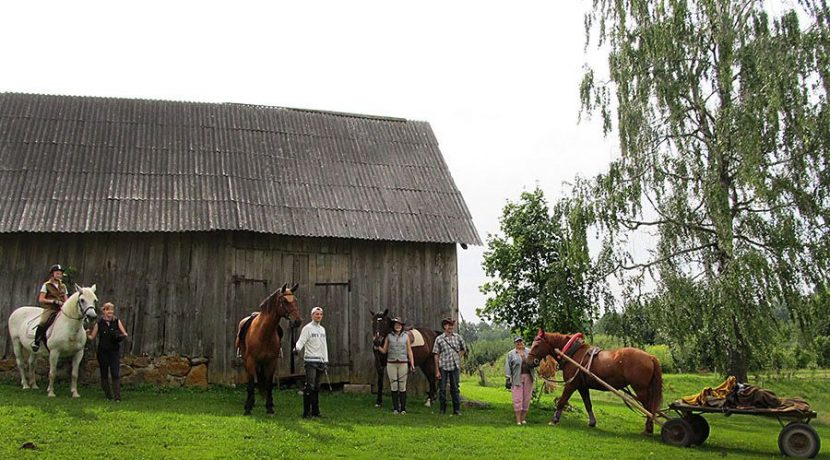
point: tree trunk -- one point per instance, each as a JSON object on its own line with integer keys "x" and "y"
{"x": 737, "y": 356}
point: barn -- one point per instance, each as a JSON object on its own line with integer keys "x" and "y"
{"x": 186, "y": 215}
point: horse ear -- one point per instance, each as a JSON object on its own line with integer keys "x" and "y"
{"x": 282, "y": 289}
{"x": 371, "y": 313}
{"x": 386, "y": 312}
{"x": 295, "y": 288}
{"x": 541, "y": 332}
{"x": 92, "y": 288}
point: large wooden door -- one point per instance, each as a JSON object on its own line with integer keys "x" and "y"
{"x": 332, "y": 289}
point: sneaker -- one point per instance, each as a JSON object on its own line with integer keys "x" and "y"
{"x": 395, "y": 412}
{"x": 403, "y": 412}
{"x": 524, "y": 422}
{"x": 455, "y": 412}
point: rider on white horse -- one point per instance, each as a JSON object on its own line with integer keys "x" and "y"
{"x": 52, "y": 295}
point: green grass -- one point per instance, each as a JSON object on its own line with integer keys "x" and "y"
{"x": 154, "y": 423}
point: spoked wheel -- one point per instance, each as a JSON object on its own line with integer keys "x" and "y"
{"x": 677, "y": 432}
{"x": 799, "y": 440}
{"x": 700, "y": 428}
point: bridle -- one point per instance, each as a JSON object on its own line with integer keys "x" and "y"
{"x": 82, "y": 311}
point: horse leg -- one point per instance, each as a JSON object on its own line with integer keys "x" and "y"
{"x": 379, "y": 400}
{"x": 644, "y": 397}
{"x": 249, "y": 401}
{"x": 269, "y": 389}
{"x": 428, "y": 369}
{"x": 560, "y": 405}
{"x": 76, "y": 361}
{"x": 18, "y": 357}
{"x": 53, "y": 370}
{"x": 32, "y": 375}
{"x": 586, "y": 399}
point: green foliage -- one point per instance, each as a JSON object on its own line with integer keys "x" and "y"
{"x": 473, "y": 332}
{"x": 724, "y": 130}
{"x": 485, "y": 352}
{"x": 540, "y": 269}
{"x": 823, "y": 351}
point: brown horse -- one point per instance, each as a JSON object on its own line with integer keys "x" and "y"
{"x": 381, "y": 326}
{"x": 260, "y": 343}
{"x": 619, "y": 368}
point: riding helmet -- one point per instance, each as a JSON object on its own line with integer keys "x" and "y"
{"x": 56, "y": 268}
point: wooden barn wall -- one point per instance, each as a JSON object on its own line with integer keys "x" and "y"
{"x": 184, "y": 293}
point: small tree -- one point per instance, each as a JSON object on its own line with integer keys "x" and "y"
{"x": 541, "y": 271}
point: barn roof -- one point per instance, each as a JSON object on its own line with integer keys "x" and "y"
{"x": 89, "y": 164}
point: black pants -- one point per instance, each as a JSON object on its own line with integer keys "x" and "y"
{"x": 109, "y": 362}
{"x": 313, "y": 376}
{"x": 449, "y": 378}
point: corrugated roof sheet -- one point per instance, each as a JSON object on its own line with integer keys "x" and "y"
{"x": 87, "y": 164}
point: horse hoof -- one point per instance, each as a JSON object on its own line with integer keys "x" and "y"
{"x": 51, "y": 395}
{"x": 76, "y": 395}
{"x": 428, "y": 403}
{"x": 247, "y": 412}
{"x": 592, "y": 425}
{"x": 26, "y": 387}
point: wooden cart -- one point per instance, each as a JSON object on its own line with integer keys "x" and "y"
{"x": 797, "y": 438}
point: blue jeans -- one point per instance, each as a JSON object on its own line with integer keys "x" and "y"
{"x": 451, "y": 378}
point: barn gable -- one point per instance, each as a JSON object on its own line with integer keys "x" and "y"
{"x": 86, "y": 164}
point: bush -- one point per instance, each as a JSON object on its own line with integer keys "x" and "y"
{"x": 662, "y": 353}
{"x": 823, "y": 351}
{"x": 485, "y": 352}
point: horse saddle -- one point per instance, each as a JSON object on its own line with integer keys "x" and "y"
{"x": 247, "y": 324}
{"x": 416, "y": 339}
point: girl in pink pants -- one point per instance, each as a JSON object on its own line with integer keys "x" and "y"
{"x": 519, "y": 379}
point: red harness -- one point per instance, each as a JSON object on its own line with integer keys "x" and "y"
{"x": 573, "y": 339}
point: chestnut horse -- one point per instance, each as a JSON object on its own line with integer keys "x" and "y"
{"x": 619, "y": 368}
{"x": 260, "y": 347}
{"x": 381, "y": 326}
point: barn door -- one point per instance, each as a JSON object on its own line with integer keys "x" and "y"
{"x": 333, "y": 288}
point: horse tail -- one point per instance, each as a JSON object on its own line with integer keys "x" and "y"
{"x": 655, "y": 387}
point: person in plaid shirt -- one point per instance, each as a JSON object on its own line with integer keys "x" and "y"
{"x": 448, "y": 350}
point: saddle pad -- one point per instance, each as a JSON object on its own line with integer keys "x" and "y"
{"x": 416, "y": 338}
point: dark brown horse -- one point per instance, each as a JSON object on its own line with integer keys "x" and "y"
{"x": 619, "y": 368}
{"x": 381, "y": 326}
{"x": 260, "y": 343}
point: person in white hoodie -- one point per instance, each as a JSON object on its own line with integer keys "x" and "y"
{"x": 312, "y": 343}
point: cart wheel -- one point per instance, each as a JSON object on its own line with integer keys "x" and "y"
{"x": 799, "y": 440}
{"x": 677, "y": 432}
{"x": 700, "y": 428}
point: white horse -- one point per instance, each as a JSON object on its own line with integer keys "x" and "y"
{"x": 66, "y": 337}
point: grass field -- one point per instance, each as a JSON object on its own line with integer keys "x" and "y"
{"x": 178, "y": 423}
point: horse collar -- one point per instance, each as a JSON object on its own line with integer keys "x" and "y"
{"x": 573, "y": 345}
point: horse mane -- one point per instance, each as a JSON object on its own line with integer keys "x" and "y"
{"x": 270, "y": 303}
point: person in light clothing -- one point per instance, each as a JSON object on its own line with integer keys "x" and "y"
{"x": 312, "y": 343}
{"x": 399, "y": 363}
{"x": 519, "y": 379}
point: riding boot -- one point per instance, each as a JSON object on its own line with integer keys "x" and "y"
{"x": 315, "y": 403}
{"x": 306, "y": 404}
{"x": 402, "y": 403}
{"x": 395, "y": 403}
{"x": 116, "y": 389}
{"x": 105, "y": 384}
{"x": 38, "y": 338}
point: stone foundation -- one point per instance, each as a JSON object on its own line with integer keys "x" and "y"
{"x": 174, "y": 371}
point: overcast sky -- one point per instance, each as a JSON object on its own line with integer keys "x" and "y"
{"x": 498, "y": 82}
